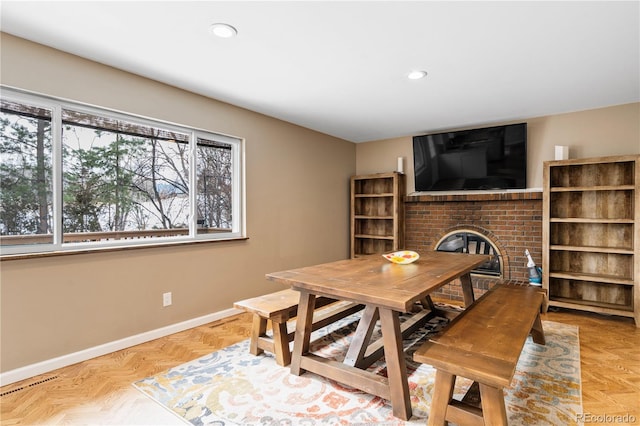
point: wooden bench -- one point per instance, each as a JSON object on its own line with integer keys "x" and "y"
{"x": 483, "y": 344}
{"x": 280, "y": 307}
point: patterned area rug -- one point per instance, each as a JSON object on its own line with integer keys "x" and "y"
{"x": 233, "y": 387}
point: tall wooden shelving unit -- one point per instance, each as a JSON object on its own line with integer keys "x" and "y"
{"x": 377, "y": 213}
{"x": 591, "y": 234}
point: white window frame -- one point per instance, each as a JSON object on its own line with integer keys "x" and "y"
{"x": 56, "y": 105}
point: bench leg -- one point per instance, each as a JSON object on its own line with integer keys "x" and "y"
{"x": 493, "y": 408}
{"x": 442, "y": 394}
{"x": 258, "y": 329}
{"x": 304, "y": 325}
{"x": 281, "y": 340}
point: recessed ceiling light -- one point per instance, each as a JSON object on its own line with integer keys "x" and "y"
{"x": 223, "y": 30}
{"x": 416, "y": 75}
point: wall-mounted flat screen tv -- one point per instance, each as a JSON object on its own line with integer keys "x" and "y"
{"x": 491, "y": 158}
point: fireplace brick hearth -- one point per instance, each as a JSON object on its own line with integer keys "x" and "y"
{"x": 511, "y": 220}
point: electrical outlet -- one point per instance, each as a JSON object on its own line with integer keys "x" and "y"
{"x": 166, "y": 299}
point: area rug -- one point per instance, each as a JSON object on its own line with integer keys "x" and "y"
{"x": 233, "y": 387}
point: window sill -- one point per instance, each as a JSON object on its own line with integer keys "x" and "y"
{"x": 23, "y": 256}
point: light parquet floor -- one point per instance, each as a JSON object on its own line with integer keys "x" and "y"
{"x": 99, "y": 391}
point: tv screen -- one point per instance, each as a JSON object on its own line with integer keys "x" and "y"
{"x": 480, "y": 159}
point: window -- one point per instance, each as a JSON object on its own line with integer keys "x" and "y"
{"x": 26, "y": 184}
{"x": 75, "y": 177}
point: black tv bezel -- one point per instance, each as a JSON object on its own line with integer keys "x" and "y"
{"x": 520, "y": 181}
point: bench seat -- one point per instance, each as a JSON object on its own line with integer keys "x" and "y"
{"x": 278, "y": 308}
{"x": 483, "y": 344}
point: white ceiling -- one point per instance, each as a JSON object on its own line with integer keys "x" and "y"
{"x": 340, "y": 67}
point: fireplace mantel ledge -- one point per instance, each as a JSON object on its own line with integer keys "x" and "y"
{"x": 529, "y": 194}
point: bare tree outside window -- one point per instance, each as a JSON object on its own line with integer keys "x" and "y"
{"x": 214, "y": 185}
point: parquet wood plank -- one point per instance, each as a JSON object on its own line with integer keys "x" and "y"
{"x": 99, "y": 391}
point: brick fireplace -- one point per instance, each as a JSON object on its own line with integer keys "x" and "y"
{"x": 512, "y": 221}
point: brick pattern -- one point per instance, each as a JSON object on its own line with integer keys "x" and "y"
{"x": 512, "y": 221}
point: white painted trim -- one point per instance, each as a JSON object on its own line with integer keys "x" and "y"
{"x": 32, "y": 370}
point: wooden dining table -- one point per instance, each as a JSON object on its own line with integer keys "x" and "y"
{"x": 387, "y": 290}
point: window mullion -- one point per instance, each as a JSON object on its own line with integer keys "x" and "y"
{"x": 57, "y": 169}
{"x": 239, "y": 189}
{"x": 193, "y": 185}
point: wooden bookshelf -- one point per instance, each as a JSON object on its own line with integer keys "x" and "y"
{"x": 591, "y": 234}
{"x": 377, "y": 222}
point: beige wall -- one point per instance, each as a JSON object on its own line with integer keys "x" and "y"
{"x": 594, "y": 133}
{"x": 297, "y": 210}
{"x": 297, "y": 214}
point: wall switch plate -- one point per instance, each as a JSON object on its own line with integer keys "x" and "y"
{"x": 166, "y": 299}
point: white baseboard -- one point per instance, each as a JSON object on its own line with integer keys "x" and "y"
{"x": 32, "y": 370}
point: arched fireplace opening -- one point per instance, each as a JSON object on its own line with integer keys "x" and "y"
{"x": 471, "y": 241}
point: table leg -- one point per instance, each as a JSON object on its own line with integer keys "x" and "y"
{"x": 281, "y": 339}
{"x": 362, "y": 337}
{"x": 467, "y": 290}
{"x": 304, "y": 324}
{"x": 396, "y": 365}
{"x": 537, "y": 331}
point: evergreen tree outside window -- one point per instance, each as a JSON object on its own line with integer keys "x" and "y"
{"x": 26, "y": 185}
{"x": 123, "y": 180}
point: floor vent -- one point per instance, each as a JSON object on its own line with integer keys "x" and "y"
{"x": 30, "y": 385}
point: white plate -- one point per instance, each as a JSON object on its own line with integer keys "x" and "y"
{"x": 402, "y": 257}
